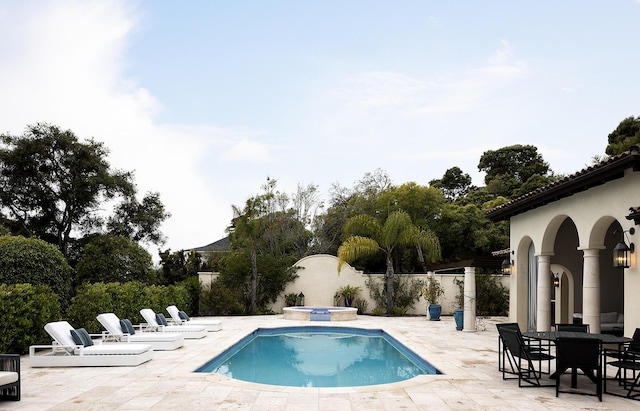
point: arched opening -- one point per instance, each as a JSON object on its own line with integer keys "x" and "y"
{"x": 564, "y": 294}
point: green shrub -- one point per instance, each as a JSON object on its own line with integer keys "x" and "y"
{"x": 193, "y": 287}
{"x": 159, "y": 297}
{"x": 125, "y": 300}
{"x": 406, "y": 292}
{"x": 33, "y": 261}
{"x": 492, "y": 298}
{"x": 361, "y": 305}
{"x": 110, "y": 258}
{"x": 24, "y": 310}
{"x": 217, "y": 299}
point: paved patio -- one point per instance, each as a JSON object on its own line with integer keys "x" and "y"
{"x": 471, "y": 380}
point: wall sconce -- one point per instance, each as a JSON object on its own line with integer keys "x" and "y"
{"x": 506, "y": 266}
{"x": 622, "y": 252}
{"x": 556, "y": 281}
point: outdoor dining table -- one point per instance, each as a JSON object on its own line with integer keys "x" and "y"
{"x": 551, "y": 336}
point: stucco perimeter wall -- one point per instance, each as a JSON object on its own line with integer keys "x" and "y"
{"x": 319, "y": 280}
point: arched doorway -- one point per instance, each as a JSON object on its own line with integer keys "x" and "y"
{"x": 564, "y": 294}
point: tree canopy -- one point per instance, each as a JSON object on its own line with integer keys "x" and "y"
{"x": 53, "y": 186}
{"x": 109, "y": 258}
{"x": 33, "y": 261}
{"x": 368, "y": 236}
{"x": 519, "y": 161}
{"x": 267, "y": 238}
{"x": 624, "y": 136}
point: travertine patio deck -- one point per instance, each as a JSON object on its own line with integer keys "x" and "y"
{"x": 471, "y": 380}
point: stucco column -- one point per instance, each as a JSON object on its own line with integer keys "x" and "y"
{"x": 543, "y": 314}
{"x": 591, "y": 289}
{"x": 469, "y": 299}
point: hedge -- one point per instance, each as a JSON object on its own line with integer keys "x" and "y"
{"x": 33, "y": 261}
{"x": 24, "y": 310}
{"x": 124, "y": 299}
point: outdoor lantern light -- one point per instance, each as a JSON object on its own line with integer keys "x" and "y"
{"x": 556, "y": 281}
{"x": 622, "y": 252}
{"x": 506, "y": 266}
{"x": 301, "y": 298}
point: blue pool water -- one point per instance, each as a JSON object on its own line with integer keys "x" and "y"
{"x": 319, "y": 357}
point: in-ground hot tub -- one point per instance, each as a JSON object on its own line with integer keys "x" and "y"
{"x": 320, "y": 313}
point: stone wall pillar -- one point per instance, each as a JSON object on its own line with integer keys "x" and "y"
{"x": 591, "y": 289}
{"x": 543, "y": 300}
{"x": 469, "y": 299}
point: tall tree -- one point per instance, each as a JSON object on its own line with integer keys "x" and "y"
{"x": 52, "y": 186}
{"x": 508, "y": 168}
{"x": 453, "y": 184}
{"x": 269, "y": 238}
{"x": 519, "y": 161}
{"x": 109, "y": 258}
{"x": 368, "y": 236}
{"x": 624, "y": 136}
{"x": 139, "y": 221}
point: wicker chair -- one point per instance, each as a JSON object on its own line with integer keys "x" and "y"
{"x": 10, "y": 377}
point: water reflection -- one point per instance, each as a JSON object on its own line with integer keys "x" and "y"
{"x": 319, "y": 360}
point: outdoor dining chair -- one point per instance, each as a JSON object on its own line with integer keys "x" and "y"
{"x": 579, "y": 328}
{"x": 505, "y": 357}
{"x": 583, "y": 354}
{"x": 524, "y": 358}
{"x": 626, "y": 360}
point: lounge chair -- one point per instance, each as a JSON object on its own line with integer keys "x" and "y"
{"x": 181, "y": 318}
{"x": 157, "y": 322}
{"x": 116, "y": 332}
{"x": 75, "y": 348}
{"x": 10, "y": 377}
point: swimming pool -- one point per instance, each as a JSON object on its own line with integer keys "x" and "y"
{"x": 318, "y": 356}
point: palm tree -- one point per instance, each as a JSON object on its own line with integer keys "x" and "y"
{"x": 368, "y": 237}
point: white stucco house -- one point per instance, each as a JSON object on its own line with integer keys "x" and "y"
{"x": 562, "y": 240}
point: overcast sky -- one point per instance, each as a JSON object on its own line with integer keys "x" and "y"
{"x": 205, "y": 99}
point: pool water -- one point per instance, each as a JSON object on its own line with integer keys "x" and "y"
{"x": 319, "y": 357}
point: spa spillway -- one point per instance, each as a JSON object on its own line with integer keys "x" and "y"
{"x": 320, "y": 313}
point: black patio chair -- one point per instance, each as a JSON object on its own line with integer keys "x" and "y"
{"x": 503, "y": 353}
{"x": 583, "y": 354}
{"x": 10, "y": 377}
{"x": 524, "y": 358}
{"x": 626, "y": 360}
{"x": 504, "y": 356}
{"x": 579, "y": 328}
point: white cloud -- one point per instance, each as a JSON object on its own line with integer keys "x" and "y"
{"x": 451, "y": 92}
{"x": 64, "y": 66}
{"x": 246, "y": 150}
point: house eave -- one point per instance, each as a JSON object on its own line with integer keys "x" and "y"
{"x": 608, "y": 170}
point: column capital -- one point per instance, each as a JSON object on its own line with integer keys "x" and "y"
{"x": 591, "y": 252}
{"x": 593, "y": 247}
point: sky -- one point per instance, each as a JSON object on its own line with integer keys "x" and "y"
{"x": 204, "y": 100}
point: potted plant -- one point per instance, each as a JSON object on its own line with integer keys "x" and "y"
{"x": 458, "y": 312}
{"x": 432, "y": 292}
{"x": 349, "y": 293}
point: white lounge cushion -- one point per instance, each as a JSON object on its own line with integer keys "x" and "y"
{"x": 159, "y": 341}
{"x": 7, "y": 377}
{"x": 211, "y": 325}
{"x": 150, "y": 317}
{"x": 113, "y": 349}
{"x": 60, "y": 331}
